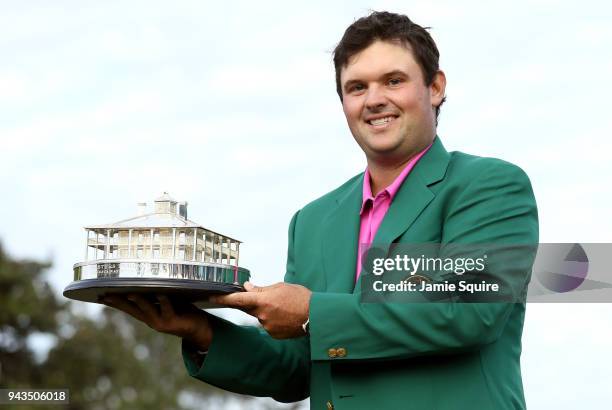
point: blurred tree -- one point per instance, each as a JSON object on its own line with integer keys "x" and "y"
{"x": 110, "y": 362}
{"x": 119, "y": 363}
{"x": 27, "y": 305}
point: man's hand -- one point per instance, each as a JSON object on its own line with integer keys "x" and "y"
{"x": 190, "y": 322}
{"x": 281, "y": 308}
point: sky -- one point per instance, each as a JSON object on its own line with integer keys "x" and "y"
{"x": 232, "y": 107}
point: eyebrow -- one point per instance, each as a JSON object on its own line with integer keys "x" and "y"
{"x": 392, "y": 73}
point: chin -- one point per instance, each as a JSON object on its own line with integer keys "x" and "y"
{"x": 381, "y": 147}
{"x": 381, "y": 153}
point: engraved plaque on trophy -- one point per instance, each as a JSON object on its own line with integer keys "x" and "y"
{"x": 157, "y": 252}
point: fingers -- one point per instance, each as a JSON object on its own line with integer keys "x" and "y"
{"x": 249, "y": 287}
{"x": 135, "y": 306}
{"x": 122, "y": 304}
{"x": 165, "y": 318}
{"x": 145, "y": 306}
{"x": 166, "y": 308}
{"x": 252, "y": 288}
{"x": 246, "y": 301}
{"x": 240, "y": 300}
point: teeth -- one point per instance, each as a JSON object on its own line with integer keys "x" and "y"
{"x": 381, "y": 121}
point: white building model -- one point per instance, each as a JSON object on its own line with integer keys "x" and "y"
{"x": 160, "y": 244}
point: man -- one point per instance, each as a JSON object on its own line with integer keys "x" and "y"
{"x": 319, "y": 338}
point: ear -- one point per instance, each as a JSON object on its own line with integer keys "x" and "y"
{"x": 437, "y": 88}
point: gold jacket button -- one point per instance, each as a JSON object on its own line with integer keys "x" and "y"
{"x": 341, "y": 352}
{"x": 332, "y": 353}
{"x": 330, "y": 406}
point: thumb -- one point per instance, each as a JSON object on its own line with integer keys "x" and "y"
{"x": 252, "y": 288}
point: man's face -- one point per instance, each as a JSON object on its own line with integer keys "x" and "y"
{"x": 387, "y": 105}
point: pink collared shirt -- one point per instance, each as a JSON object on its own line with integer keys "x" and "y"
{"x": 374, "y": 209}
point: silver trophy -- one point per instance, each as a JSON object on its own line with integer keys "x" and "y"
{"x": 158, "y": 252}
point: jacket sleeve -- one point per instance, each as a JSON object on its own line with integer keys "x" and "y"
{"x": 497, "y": 207}
{"x": 246, "y": 360}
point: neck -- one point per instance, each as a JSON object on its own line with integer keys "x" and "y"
{"x": 383, "y": 171}
{"x": 382, "y": 175}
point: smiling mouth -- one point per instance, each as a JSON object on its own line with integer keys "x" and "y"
{"x": 381, "y": 122}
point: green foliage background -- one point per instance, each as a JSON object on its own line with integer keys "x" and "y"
{"x": 108, "y": 362}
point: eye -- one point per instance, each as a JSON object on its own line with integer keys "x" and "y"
{"x": 356, "y": 88}
{"x": 395, "y": 81}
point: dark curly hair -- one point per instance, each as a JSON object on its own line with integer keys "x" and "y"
{"x": 385, "y": 26}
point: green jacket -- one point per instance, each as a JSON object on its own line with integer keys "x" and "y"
{"x": 394, "y": 355}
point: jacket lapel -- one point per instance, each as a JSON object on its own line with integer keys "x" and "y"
{"x": 341, "y": 227}
{"x": 340, "y": 237}
{"x": 414, "y": 194}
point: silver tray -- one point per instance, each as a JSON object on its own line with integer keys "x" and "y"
{"x": 180, "y": 290}
{"x": 184, "y": 282}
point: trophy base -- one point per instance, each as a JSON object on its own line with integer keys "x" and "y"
{"x": 183, "y": 290}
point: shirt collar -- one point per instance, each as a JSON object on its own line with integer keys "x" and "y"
{"x": 392, "y": 189}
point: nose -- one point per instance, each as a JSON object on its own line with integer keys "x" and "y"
{"x": 375, "y": 98}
